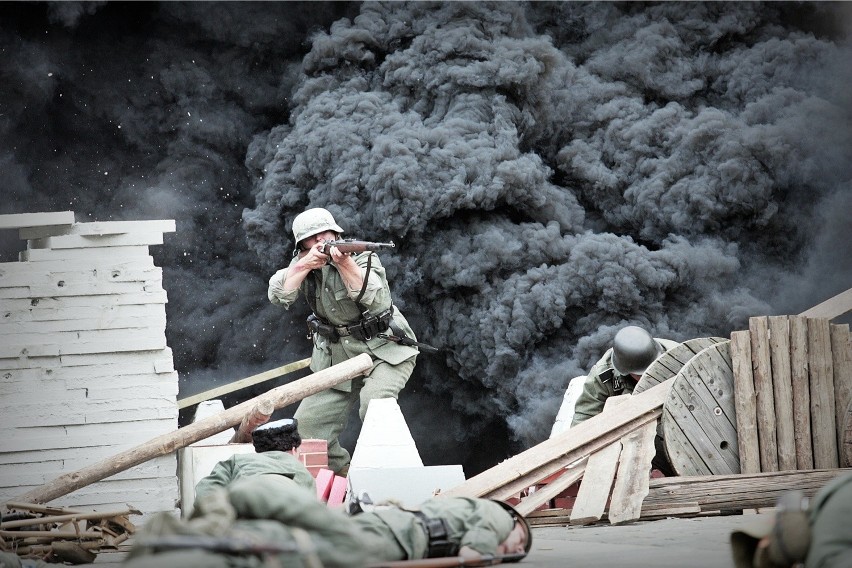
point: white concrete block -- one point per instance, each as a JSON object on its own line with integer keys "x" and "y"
{"x": 206, "y": 409}
{"x": 409, "y": 486}
{"x": 134, "y": 361}
{"x": 102, "y": 228}
{"x": 40, "y": 439}
{"x": 566, "y": 410}
{"x": 385, "y": 440}
{"x": 25, "y": 220}
{"x": 196, "y": 462}
{"x": 55, "y": 413}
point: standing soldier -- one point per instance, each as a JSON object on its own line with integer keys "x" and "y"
{"x": 352, "y": 305}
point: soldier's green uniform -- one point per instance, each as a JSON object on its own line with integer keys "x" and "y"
{"x": 602, "y": 382}
{"x": 831, "y": 535}
{"x": 245, "y": 465}
{"x": 256, "y": 511}
{"x": 324, "y": 414}
{"x": 396, "y": 534}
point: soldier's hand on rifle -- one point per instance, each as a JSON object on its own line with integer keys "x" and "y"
{"x": 313, "y": 257}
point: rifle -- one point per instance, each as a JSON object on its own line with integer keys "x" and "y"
{"x": 446, "y": 562}
{"x": 224, "y": 545}
{"x": 347, "y": 246}
{"x": 405, "y": 340}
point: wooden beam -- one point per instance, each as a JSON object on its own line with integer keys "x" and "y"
{"x": 551, "y": 490}
{"x": 634, "y": 474}
{"x": 782, "y": 385}
{"x": 260, "y": 414}
{"x": 744, "y": 491}
{"x": 764, "y": 394}
{"x": 243, "y": 383}
{"x": 573, "y": 444}
{"x": 821, "y": 367}
{"x": 831, "y": 308}
{"x": 801, "y": 392}
{"x": 747, "y": 441}
{"x": 594, "y": 492}
{"x": 161, "y": 445}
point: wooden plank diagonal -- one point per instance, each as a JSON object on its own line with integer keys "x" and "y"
{"x": 563, "y": 449}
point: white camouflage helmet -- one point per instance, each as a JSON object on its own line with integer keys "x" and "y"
{"x": 313, "y": 222}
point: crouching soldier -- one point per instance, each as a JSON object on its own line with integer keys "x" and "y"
{"x": 445, "y": 526}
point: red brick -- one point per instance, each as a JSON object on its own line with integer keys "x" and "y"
{"x": 338, "y": 492}
{"x": 313, "y": 445}
{"x": 314, "y": 459}
{"x": 324, "y": 479}
{"x": 564, "y": 502}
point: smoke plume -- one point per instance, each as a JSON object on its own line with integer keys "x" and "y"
{"x": 550, "y": 172}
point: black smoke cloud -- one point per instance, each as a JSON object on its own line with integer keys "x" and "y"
{"x": 549, "y": 172}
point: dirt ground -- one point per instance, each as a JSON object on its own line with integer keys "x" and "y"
{"x": 702, "y": 542}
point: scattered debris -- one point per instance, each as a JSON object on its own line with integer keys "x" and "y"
{"x": 61, "y": 535}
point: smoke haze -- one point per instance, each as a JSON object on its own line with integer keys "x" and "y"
{"x": 549, "y": 171}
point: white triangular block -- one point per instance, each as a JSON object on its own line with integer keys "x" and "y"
{"x": 569, "y": 401}
{"x": 385, "y": 440}
{"x": 206, "y": 409}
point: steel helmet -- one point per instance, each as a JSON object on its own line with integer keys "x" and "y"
{"x": 633, "y": 349}
{"x": 516, "y": 516}
{"x": 313, "y": 222}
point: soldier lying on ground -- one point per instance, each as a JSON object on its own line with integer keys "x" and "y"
{"x": 252, "y": 508}
{"x": 819, "y": 534}
{"x": 444, "y": 526}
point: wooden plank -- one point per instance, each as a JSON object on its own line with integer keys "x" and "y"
{"x": 672, "y": 361}
{"x": 846, "y": 448}
{"x": 22, "y": 220}
{"x": 595, "y": 489}
{"x": 552, "y": 490}
{"x": 800, "y": 381}
{"x": 831, "y": 308}
{"x": 634, "y": 473}
{"x": 747, "y": 441}
{"x": 569, "y": 446}
{"x": 738, "y": 491}
{"x": 112, "y": 254}
{"x": 548, "y": 468}
{"x": 96, "y": 241}
{"x": 779, "y": 347}
{"x": 699, "y": 415}
{"x": 823, "y": 426}
{"x": 101, "y": 228}
{"x": 842, "y": 362}
{"x": 243, "y": 383}
{"x": 764, "y": 392}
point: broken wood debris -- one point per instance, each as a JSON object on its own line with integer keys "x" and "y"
{"x": 54, "y": 534}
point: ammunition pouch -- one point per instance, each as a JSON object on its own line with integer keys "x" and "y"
{"x": 438, "y": 535}
{"x": 368, "y": 327}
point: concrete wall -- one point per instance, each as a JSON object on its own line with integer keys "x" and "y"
{"x": 85, "y": 371}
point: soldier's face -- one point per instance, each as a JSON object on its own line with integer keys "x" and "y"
{"x": 515, "y": 542}
{"x": 325, "y": 236}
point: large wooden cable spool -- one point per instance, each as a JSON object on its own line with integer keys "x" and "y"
{"x": 672, "y": 361}
{"x": 699, "y": 415}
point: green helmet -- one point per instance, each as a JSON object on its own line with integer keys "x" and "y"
{"x": 633, "y": 349}
{"x": 313, "y": 222}
{"x": 516, "y": 516}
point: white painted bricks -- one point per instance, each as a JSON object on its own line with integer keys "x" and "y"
{"x": 85, "y": 370}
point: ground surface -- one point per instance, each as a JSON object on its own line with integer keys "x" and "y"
{"x": 668, "y": 543}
